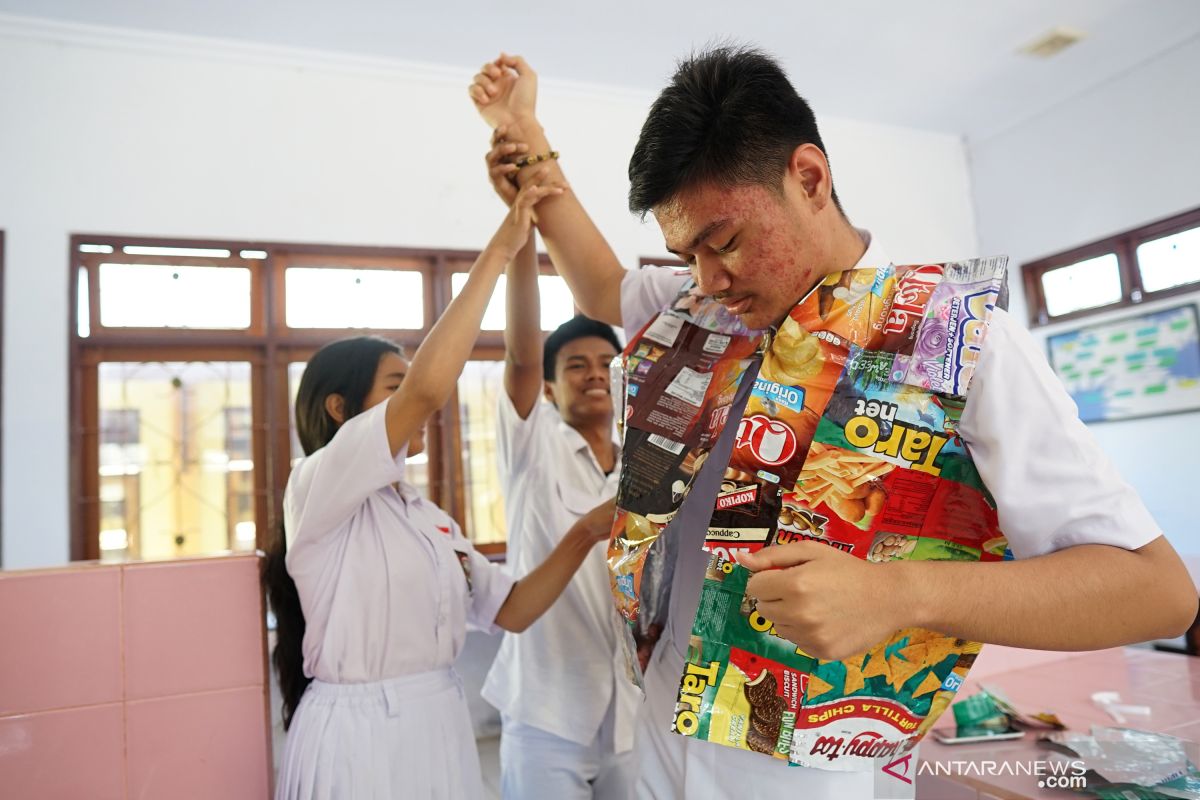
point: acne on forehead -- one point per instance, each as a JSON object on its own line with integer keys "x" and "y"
{"x": 689, "y": 212}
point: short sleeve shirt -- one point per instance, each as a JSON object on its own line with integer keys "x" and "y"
{"x": 562, "y": 674}
{"x": 387, "y": 581}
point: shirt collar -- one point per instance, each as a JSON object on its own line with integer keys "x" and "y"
{"x": 875, "y": 255}
{"x": 579, "y": 445}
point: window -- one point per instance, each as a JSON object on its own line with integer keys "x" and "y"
{"x": 557, "y": 304}
{"x": 185, "y": 361}
{"x": 238, "y": 463}
{"x": 329, "y": 297}
{"x": 176, "y": 470}
{"x": 165, "y": 296}
{"x": 478, "y": 397}
{"x": 1147, "y": 263}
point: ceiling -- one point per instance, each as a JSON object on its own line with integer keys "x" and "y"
{"x": 945, "y": 65}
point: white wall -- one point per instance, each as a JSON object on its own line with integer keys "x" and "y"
{"x": 109, "y": 131}
{"x": 1115, "y": 158}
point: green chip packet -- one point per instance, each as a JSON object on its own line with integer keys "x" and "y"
{"x": 979, "y": 711}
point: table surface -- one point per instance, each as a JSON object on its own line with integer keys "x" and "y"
{"x": 1063, "y": 683}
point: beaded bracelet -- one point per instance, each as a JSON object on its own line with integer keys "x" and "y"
{"x": 528, "y": 161}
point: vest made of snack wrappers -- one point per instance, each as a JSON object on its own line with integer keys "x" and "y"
{"x": 849, "y": 437}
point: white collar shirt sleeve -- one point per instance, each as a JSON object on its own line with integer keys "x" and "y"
{"x": 1053, "y": 485}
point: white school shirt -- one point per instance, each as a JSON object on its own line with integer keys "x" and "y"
{"x": 561, "y": 674}
{"x": 387, "y": 581}
{"x": 1052, "y": 484}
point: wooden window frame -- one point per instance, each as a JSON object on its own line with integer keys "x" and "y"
{"x": 269, "y": 346}
{"x": 1124, "y": 246}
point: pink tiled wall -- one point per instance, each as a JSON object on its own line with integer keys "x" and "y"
{"x": 134, "y": 681}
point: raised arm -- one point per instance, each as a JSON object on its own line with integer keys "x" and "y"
{"x": 439, "y": 360}
{"x": 523, "y": 332}
{"x": 505, "y": 94}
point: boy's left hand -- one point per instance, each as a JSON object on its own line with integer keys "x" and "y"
{"x": 829, "y": 603}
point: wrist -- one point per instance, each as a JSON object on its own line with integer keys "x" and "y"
{"x": 530, "y": 133}
{"x": 504, "y": 251}
{"x": 905, "y": 579}
{"x": 579, "y": 540}
{"x": 526, "y": 123}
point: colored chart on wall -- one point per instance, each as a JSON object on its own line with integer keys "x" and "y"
{"x": 1132, "y": 367}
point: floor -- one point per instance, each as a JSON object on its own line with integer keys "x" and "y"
{"x": 489, "y": 761}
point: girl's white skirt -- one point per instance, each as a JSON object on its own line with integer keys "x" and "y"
{"x": 407, "y": 737}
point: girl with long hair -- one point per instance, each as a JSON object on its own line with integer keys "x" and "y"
{"x": 372, "y": 585}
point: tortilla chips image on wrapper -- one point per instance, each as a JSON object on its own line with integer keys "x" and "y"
{"x": 852, "y": 425}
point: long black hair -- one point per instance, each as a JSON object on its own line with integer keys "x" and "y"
{"x": 346, "y": 367}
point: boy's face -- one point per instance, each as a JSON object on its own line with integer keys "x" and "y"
{"x": 755, "y": 250}
{"x": 581, "y": 387}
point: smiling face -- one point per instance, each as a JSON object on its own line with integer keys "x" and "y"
{"x": 755, "y": 250}
{"x": 581, "y": 389}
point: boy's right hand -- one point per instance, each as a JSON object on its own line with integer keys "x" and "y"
{"x": 504, "y": 91}
{"x": 514, "y": 230}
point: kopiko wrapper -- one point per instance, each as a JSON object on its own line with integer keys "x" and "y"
{"x": 680, "y": 380}
{"x": 867, "y": 459}
{"x": 745, "y": 515}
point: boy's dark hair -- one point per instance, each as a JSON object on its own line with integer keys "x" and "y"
{"x": 729, "y": 116}
{"x": 578, "y": 327}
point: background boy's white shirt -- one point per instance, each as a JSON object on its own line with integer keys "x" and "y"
{"x": 1053, "y": 487}
{"x": 562, "y": 673}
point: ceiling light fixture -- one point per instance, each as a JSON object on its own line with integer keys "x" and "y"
{"x": 1052, "y": 42}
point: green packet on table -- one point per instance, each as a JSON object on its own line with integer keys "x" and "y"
{"x": 979, "y": 714}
